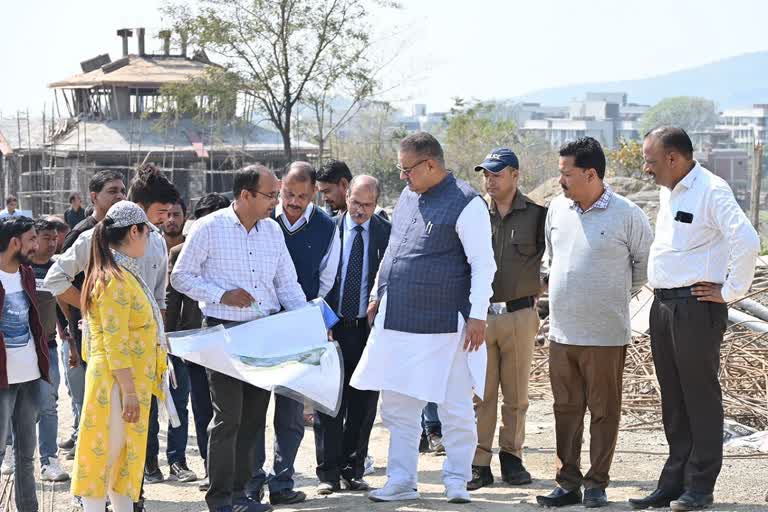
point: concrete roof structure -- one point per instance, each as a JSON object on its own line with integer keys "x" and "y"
{"x": 138, "y": 72}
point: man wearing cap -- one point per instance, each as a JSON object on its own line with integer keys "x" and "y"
{"x": 517, "y": 224}
{"x": 434, "y": 286}
{"x": 597, "y": 246}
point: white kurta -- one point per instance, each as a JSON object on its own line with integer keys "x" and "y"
{"x": 418, "y": 365}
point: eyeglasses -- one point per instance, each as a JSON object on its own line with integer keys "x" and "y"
{"x": 271, "y": 197}
{"x": 408, "y": 170}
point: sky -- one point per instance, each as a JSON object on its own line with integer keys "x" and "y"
{"x": 439, "y": 49}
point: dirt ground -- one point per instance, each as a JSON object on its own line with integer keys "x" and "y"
{"x": 638, "y": 459}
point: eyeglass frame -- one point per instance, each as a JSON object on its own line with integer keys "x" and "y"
{"x": 408, "y": 170}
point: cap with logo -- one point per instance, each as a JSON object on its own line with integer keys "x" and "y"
{"x": 498, "y": 160}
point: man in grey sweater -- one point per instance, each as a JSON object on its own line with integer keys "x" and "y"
{"x": 597, "y": 245}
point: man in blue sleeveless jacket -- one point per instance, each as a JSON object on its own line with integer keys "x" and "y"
{"x": 315, "y": 247}
{"x": 434, "y": 287}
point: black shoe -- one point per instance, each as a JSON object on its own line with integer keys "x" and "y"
{"x": 354, "y": 484}
{"x": 69, "y": 444}
{"x": 595, "y": 498}
{"x": 436, "y": 444}
{"x": 248, "y": 505}
{"x": 481, "y": 476}
{"x": 179, "y": 471}
{"x": 71, "y": 454}
{"x": 327, "y": 488}
{"x": 288, "y": 497}
{"x": 657, "y": 499}
{"x": 204, "y": 484}
{"x": 560, "y": 498}
{"x": 152, "y": 473}
{"x": 691, "y": 500}
{"x": 512, "y": 470}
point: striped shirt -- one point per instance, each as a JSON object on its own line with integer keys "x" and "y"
{"x": 219, "y": 256}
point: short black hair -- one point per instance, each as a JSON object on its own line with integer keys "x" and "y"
{"x": 424, "y": 144}
{"x": 247, "y": 178}
{"x": 11, "y": 198}
{"x": 101, "y": 178}
{"x": 587, "y": 153}
{"x": 13, "y": 227}
{"x": 58, "y": 223}
{"x": 46, "y": 225}
{"x": 333, "y": 171}
{"x": 210, "y": 203}
{"x": 673, "y": 138}
{"x": 73, "y": 196}
{"x": 149, "y": 186}
{"x": 183, "y": 205}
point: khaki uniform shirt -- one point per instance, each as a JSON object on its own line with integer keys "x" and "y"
{"x": 518, "y": 246}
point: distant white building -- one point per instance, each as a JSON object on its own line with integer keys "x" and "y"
{"x": 746, "y": 125}
{"x": 605, "y": 116}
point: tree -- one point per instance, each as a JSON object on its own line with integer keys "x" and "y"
{"x": 627, "y": 159}
{"x": 687, "y": 112}
{"x": 475, "y": 128}
{"x": 279, "y": 49}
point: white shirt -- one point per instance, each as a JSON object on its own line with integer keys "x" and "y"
{"x": 719, "y": 245}
{"x": 329, "y": 265}
{"x": 21, "y": 356}
{"x": 219, "y": 255}
{"x": 418, "y": 365}
{"x": 349, "y": 233}
{"x": 153, "y": 265}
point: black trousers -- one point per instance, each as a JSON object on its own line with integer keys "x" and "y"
{"x": 685, "y": 340}
{"x": 239, "y": 413}
{"x": 341, "y": 443}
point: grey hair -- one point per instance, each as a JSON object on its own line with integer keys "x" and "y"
{"x": 367, "y": 181}
{"x": 423, "y": 144}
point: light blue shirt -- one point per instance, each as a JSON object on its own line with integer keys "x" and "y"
{"x": 348, "y": 234}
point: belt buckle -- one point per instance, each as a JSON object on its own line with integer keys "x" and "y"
{"x": 497, "y": 308}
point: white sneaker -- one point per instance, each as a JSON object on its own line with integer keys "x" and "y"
{"x": 9, "y": 462}
{"x": 369, "y": 469}
{"x": 53, "y": 472}
{"x": 394, "y": 492}
{"x": 457, "y": 493}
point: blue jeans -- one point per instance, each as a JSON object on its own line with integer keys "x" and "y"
{"x": 177, "y": 437}
{"x": 430, "y": 421}
{"x": 74, "y": 379}
{"x": 18, "y": 411}
{"x": 289, "y": 431}
{"x": 48, "y": 420}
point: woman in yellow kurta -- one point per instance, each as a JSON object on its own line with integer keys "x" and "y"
{"x": 126, "y": 361}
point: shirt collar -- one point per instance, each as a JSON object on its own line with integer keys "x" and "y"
{"x": 601, "y": 203}
{"x": 349, "y": 224}
{"x": 690, "y": 178}
{"x": 307, "y": 212}
{"x": 518, "y": 203}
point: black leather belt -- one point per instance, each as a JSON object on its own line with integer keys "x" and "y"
{"x": 353, "y": 322}
{"x": 522, "y": 303}
{"x": 673, "y": 293}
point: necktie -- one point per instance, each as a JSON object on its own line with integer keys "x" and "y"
{"x": 350, "y": 303}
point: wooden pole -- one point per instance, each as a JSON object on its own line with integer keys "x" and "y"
{"x": 754, "y": 198}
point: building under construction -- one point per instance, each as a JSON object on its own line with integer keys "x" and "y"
{"x": 115, "y": 115}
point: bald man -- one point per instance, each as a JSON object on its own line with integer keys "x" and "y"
{"x": 314, "y": 246}
{"x": 341, "y": 443}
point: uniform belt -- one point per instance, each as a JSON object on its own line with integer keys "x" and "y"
{"x": 515, "y": 305}
{"x": 673, "y": 293}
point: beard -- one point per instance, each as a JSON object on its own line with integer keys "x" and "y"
{"x": 24, "y": 259}
{"x": 177, "y": 231}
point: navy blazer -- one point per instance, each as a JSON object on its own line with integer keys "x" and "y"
{"x": 378, "y": 238}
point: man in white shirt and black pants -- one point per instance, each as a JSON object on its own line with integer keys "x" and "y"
{"x": 702, "y": 257}
{"x": 235, "y": 263}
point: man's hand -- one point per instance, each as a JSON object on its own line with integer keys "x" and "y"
{"x": 708, "y": 292}
{"x": 74, "y": 355}
{"x": 475, "y": 335}
{"x": 238, "y": 298}
{"x": 373, "y": 308}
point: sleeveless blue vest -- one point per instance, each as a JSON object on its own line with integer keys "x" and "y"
{"x": 425, "y": 273}
{"x": 307, "y": 246}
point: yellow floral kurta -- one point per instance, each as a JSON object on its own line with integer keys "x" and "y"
{"x": 123, "y": 334}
